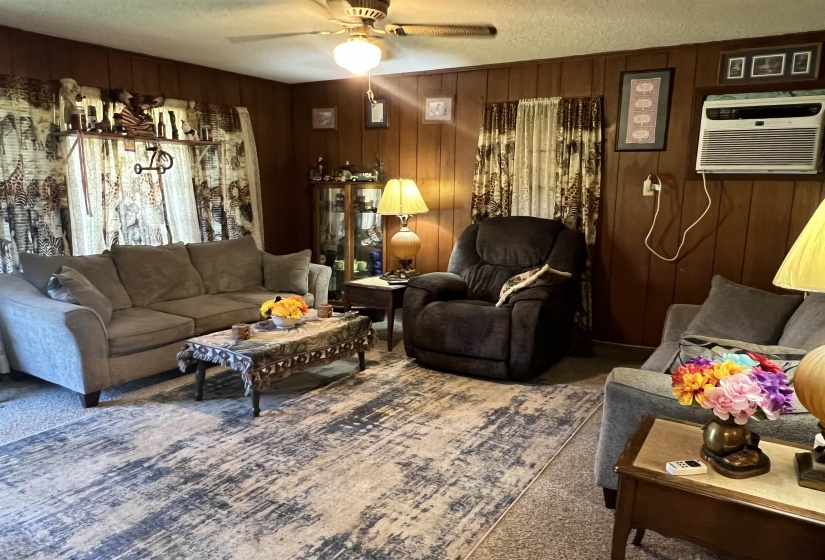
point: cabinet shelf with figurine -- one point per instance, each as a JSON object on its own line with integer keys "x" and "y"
{"x": 348, "y": 232}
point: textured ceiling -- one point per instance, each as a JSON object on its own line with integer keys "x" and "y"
{"x": 195, "y": 30}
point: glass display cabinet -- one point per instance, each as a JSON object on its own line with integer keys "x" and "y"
{"x": 348, "y": 233}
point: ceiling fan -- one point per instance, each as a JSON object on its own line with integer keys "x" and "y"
{"x": 357, "y": 19}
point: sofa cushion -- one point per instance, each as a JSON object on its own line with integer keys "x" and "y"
{"x": 806, "y": 328}
{"x": 287, "y": 273}
{"x": 69, "y": 286}
{"x": 137, "y": 329}
{"x": 210, "y": 313}
{"x": 98, "y": 269}
{"x": 737, "y": 312}
{"x": 153, "y": 274}
{"x": 257, "y": 296}
{"x": 228, "y": 266}
{"x": 464, "y": 328}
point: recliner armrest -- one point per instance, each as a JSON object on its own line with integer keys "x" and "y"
{"x": 539, "y": 293}
{"x": 441, "y": 285}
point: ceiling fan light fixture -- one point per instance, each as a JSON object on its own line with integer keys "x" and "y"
{"x": 357, "y": 55}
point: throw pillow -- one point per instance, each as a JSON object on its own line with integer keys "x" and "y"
{"x": 287, "y": 273}
{"x": 543, "y": 276}
{"x": 806, "y": 328}
{"x": 69, "y": 286}
{"x": 714, "y": 348}
{"x": 737, "y": 312}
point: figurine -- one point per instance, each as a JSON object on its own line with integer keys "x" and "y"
{"x": 192, "y": 115}
{"x": 69, "y": 92}
{"x": 91, "y": 119}
{"x": 189, "y": 133}
{"x": 137, "y": 121}
{"x": 173, "y": 125}
{"x": 380, "y": 176}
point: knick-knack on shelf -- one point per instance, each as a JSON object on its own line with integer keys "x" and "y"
{"x": 173, "y": 125}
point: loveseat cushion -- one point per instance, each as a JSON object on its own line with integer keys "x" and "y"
{"x": 257, "y": 296}
{"x": 98, "y": 269}
{"x": 228, "y": 266}
{"x": 806, "y": 327}
{"x": 736, "y": 312}
{"x": 137, "y": 329}
{"x": 155, "y": 274}
{"x": 464, "y": 328}
{"x": 210, "y": 313}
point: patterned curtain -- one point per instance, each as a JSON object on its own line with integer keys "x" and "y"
{"x": 559, "y": 157}
{"x": 493, "y": 180}
{"x": 32, "y": 188}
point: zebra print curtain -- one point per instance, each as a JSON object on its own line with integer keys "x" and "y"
{"x": 558, "y": 159}
{"x": 32, "y": 185}
{"x": 493, "y": 177}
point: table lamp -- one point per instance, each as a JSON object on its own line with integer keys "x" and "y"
{"x": 804, "y": 269}
{"x": 402, "y": 198}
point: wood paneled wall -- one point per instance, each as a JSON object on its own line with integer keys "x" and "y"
{"x": 42, "y": 57}
{"x": 744, "y": 237}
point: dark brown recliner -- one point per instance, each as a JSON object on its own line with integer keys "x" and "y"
{"x": 451, "y": 320}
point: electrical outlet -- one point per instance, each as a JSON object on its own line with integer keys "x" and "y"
{"x": 647, "y": 188}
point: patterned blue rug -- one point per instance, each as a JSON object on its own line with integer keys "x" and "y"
{"x": 395, "y": 462}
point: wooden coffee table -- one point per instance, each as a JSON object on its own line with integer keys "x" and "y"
{"x": 271, "y": 354}
{"x": 374, "y": 292}
{"x": 767, "y": 517}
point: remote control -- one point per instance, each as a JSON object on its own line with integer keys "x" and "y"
{"x": 682, "y": 468}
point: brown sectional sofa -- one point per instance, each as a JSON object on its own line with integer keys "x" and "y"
{"x": 160, "y": 297}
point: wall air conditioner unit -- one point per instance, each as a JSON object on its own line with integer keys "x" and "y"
{"x": 775, "y": 135}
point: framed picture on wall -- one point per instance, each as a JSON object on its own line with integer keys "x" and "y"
{"x": 438, "y": 110}
{"x": 325, "y": 118}
{"x": 643, "y": 110}
{"x": 776, "y": 64}
{"x": 376, "y": 113}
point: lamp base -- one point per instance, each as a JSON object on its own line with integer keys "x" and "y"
{"x": 402, "y": 274}
{"x": 807, "y": 474}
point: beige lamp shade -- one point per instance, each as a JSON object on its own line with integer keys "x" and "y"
{"x": 402, "y": 198}
{"x": 804, "y": 267}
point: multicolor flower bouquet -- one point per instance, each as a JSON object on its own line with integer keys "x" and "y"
{"x": 737, "y": 385}
{"x": 292, "y": 307}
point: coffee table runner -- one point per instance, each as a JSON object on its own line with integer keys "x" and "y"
{"x": 271, "y": 354}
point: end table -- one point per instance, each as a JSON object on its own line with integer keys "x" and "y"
{"x": 766, "y": 517}
{"x": 374, "y": 292}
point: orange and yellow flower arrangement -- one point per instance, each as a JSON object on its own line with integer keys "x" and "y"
{"x": 292, "y": 307}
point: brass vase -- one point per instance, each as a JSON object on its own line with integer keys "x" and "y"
{"x": 723, "y": 437}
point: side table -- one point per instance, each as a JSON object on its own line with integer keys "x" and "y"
{"x": 374, "y": 292}
{"x": 766, "y": 517}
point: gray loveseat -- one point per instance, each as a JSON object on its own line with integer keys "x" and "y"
{"x": 632, "y": 393}
{"x": 160, "y": 296}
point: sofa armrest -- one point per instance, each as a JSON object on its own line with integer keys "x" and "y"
{"x": 679, "y": 316}
{"x": 319, "y": 277}
{"x": 422, "y": 291}
{"x": 59, "y": 342}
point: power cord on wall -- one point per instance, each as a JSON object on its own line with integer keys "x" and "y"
{"x": 658, "y": 189}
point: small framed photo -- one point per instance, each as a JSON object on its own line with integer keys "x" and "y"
{"x": 325, "y": 118}
{"x": 129, "y": 144}
{"x": 438, "y": 110}
{"x": 801, "y": 63}
{"x": 376, "y": 113}
{"x": 768, "y": 65}
{"x": 736, "y": 68}
{"x": 791, "y": 63}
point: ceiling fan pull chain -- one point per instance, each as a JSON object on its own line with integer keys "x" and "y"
{"x": 370, "y": 95}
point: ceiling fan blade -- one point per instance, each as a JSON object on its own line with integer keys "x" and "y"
{"x": 442, "y": 30}
{"x": 251, "y": 38}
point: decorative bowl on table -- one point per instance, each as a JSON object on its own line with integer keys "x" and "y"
{"x": 285, "y": 322}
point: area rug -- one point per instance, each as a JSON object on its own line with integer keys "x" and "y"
{"x": 394, "y": 462}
